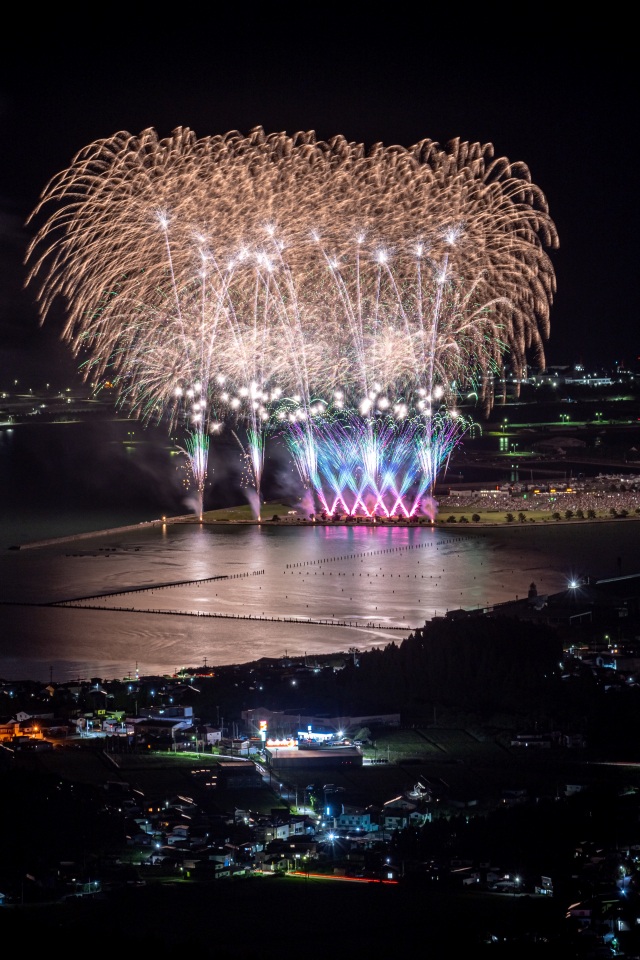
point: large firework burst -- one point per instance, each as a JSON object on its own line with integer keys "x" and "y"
{"x": 314, "y": 287}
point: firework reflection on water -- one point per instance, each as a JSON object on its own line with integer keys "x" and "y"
{"x": 382, "y": 576}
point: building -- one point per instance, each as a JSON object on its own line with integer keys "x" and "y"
{"x": 238, "y": 774}
{"x": 292, "y": 758}
{"x": 284, "y": 723}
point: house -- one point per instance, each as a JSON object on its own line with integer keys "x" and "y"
{"x": 175, "y": 733}
{"x": 396, "y": 812}
{"x": 581, "y": 911}
{"x": 211, "y": 734}
{"x": 33, "y": 725}
{"x": 173, "y": 712}
{"x": 226, "y": 856}
{"x": 23, "y": 717}
{"x": 235, "y": 746}
{"x": 165, "y": 855}
{"x": 355, "y": 820}
{"x": 9, "y": 728}
{"x": 179, "y": 835}
{"x": 298, "y": 849}
{"x": 274, "y": 863}
{"x": 283, "y": 829}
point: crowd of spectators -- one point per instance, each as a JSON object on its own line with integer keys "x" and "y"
{"x": 591, "y": 498}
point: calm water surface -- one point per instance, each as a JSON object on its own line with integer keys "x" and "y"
{"x": 148, "y": 599}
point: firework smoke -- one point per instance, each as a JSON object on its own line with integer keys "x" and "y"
{"x": 342, "y": 297}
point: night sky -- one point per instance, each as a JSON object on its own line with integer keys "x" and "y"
{"x": 563, "y": 103}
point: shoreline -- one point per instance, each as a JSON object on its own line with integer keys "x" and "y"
{"x": 456, "y": 526}
{"x": 90, "y": 534}
{"x": 455, "y": 507}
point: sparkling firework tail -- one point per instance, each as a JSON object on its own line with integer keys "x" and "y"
{"x": 197, "y": 452}
{"x": 208, "y": 277}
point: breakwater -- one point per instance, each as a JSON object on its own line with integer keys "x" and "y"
{"x": 90, "y": 534}
{"x": 207, "y": 615}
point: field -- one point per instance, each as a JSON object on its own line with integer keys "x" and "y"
{"x": 465, "y": 771}
{"x": 451, "y": 510}
{"x": 461, "y": 768}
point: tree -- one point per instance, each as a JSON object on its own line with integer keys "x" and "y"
{"x": 591, "y": 514}
{"x": 522, "y": 516}
{"x": 451, "y": 519}
{"x": 509, "y": 518}
{"x": 363, "y": 734}
{"x": 568, "y": 514}
{"x": 476, "y": 517}
{"x": 555, "y": 516}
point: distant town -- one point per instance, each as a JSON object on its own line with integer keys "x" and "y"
{"x": 486, "y": 764}
{"x": 223, "y": 774}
